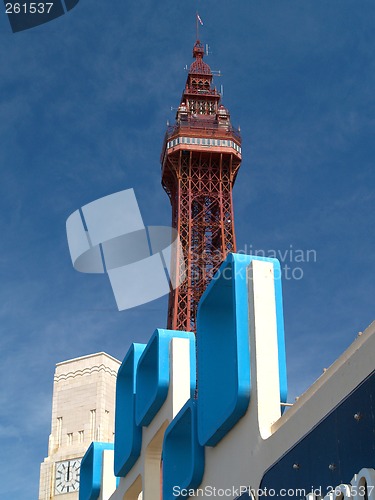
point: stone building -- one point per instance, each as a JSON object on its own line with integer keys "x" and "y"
{"x": 82, "y": 411}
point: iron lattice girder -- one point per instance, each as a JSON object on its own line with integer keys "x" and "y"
{"x": 200, "y": 186}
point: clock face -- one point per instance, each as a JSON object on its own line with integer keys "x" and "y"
{"x": 67, "y": 476}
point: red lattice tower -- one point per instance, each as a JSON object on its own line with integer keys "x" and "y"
{"x": 200, "y": 160}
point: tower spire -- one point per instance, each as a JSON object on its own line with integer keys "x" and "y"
{"x": 200, "y": 159}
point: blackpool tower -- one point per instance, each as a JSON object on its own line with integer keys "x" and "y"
{"x": 200, "y": 159}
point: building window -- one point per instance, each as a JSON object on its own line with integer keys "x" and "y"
{"x": 93, "y": 424}
{"x": 59, "y": 430}
{"x": 80, "y": 436}
{"x": 70, "y": 438}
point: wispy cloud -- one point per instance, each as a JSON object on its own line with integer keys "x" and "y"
{"x": 83, "y": 105}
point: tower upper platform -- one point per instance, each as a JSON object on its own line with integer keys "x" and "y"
{"x": 202, "y": 122}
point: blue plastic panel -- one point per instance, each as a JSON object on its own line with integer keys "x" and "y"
{"x": 91, "y": 471}
{"x": 128, "y": 436}
{"x": 280, "y": 334}
{"x": 183, "y": 457}
{"x": 224, "y": 384}
{"x": 153, "y": 374}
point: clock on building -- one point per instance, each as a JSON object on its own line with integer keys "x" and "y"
{"x": 67, "y": 476}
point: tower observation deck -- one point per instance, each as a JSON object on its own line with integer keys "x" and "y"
{"x": 200, "y": 159}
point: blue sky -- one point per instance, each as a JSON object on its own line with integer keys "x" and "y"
{"x": 84, "y": 102}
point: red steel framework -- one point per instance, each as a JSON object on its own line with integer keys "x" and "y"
{"x": 200, "y": 160}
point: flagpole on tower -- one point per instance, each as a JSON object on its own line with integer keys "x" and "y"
{"x": 198, "y": 21}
